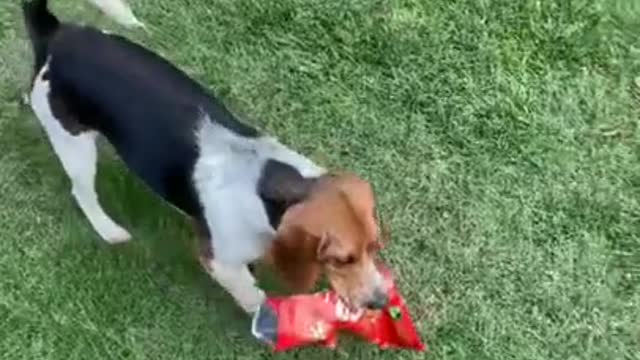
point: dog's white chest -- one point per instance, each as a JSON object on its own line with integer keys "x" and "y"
{"x": 225, "y": 176}
{"x": 238, "y": 223}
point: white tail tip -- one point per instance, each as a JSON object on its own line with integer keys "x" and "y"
{"x": 119, "y": 11}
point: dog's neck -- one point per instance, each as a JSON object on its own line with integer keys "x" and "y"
{"x": 281, "y": 186}
{"x": 282, "y": 182}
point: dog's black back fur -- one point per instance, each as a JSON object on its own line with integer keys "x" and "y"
{"x": 147, "y": 108}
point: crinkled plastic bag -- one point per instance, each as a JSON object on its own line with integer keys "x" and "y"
{"x": 316, "y": 319}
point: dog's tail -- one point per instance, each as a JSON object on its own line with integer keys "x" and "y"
{"x": 41, "y": 24}
{"x": 119, "y": 11}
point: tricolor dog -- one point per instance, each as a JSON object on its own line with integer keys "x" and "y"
{"x": 250, "y": 197}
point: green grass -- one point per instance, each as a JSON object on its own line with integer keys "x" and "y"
{"x": 502, "y": 137}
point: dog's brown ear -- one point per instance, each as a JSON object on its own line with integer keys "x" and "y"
{"x": 294, "y": 252}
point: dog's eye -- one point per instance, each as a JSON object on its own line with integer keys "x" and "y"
{"x": 344, "y": 261}
{"x": 350, "y": 260}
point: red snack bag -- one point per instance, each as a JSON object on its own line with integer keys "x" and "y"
{"x": 290, "y": 322}
{"x": 391, "y": 327}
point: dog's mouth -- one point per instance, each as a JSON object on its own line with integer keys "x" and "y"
{"x": 348, "y": 310}
{"x": 348, "y": 304}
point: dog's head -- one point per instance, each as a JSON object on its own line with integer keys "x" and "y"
{"x": 333, "y": 231}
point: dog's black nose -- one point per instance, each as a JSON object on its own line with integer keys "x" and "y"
{"x": 378, "y": 301}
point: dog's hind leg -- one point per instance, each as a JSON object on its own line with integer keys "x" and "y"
{"x": 78, "y": 155}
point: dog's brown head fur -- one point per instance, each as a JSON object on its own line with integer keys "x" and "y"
{"x": 334, "y": 232}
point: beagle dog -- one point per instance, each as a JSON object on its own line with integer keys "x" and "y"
{"x": 250, "y": 197}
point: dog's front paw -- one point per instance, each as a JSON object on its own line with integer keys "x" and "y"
{"x": 251, "y": 300}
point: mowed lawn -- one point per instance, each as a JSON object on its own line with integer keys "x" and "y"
{"x": 502, "y": 137}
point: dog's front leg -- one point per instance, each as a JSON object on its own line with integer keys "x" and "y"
{"x": 238, "y": 281}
